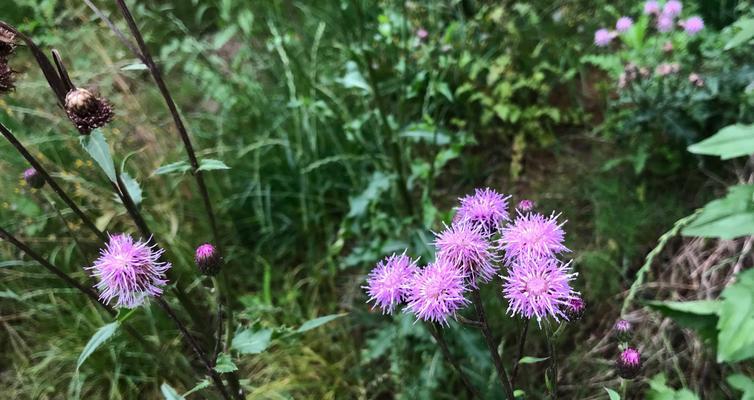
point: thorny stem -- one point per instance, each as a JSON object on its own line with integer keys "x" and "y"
{"x": 197, "y": 349}
{"x": 436, "y": 332}
{"x": 146, "y": 57}
{"x": 520, "y": 354}
{"x": 53, "y": 185}
{"x": 491, "y": 346}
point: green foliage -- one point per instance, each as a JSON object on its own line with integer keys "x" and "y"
{"x": 744, "y": 384}
{"x": 726, "y": 218}
{"x": 98, "y": 339}
{"x": 252, "y": 342}
{"x": 613, "y": 394}
{"x": 731, "y": 141}
{"x": 736, "y": 323}
{"x": 658, "y": 390}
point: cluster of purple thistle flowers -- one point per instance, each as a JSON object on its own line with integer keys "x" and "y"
{"x": 664, "y": 21}
{"x": 629, "y": 362}
{"x": 481, "y": 238}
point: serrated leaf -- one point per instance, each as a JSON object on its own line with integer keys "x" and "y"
{"x": 726, "y": 218}
{"x": 225, "y": 364}
{"x": 735, "y": 341}
{"x": 96, "y": 145}
{"x": 249, "y": 342}
{"x": 179, "y": 166}
{"x": 133, "y": 188}
{"x": 531, "y": 360}
{"x": 317, "y": 322}
{"x": 209, "y": 164}
{"x": 203, "y": 384}
{"x": 730, "y": 142}
{"x": 612, "y": 393}
{"x": 169, "y": 393}
{"x": 99, "y": 337}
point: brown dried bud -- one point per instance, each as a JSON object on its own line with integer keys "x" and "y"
{"x": 7, "y": 42}
{"x": 6, "y": 78}
{"x": 87, "y": 111}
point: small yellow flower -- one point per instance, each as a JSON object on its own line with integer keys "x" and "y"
{"x": 78, "y": 163}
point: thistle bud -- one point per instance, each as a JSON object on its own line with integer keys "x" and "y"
{"x": 623, "y": 330}
{"x": 525, "y": 205}
{"x": 87, "y": 111}
{"x": 7, "y": 42}
{"x": 208, "y": 259}
{"x": 6, "y": 78}
{"x": 575, "y": 308}
{"x": 629, "y": 363}
{"x": 33, "y": 178}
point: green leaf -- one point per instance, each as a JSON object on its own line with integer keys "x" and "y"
{"x": 698, "y": 315}
{"x": 211, "y": 165}
{"x": 729, "y": 142}
{"x": 203, "y": 384}
{"x": 659, "y": 390}
{"x": 744, "y": 35}
{"x": 742, "y": 383}
{"x": 726, "y": 218}
{"x": 353, "y": 78}
{"x": 133, "y": 188}
{"x": 248, "y": 342}
{"x": 96, "y": 145}
{"x": 735, "y": 341}
{"x": 169, "y": 393}
{"x": 317, "y": 322}
{"x": 225, "y": 363}
{"x": 531, "y": 360}
{"x": 96, "y": 341}
{"x": 612, "y": 393}
{"x": 378, "y": 183}
{"x": 134, "y": 67}
{"x": 180, "y": 166}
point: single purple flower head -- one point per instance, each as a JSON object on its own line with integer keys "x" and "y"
{"x": 624, "y": 24}
{"x": 665, "y": 23}
{"x": 422, "y": 33}
{"x": 696, "y": 80}
{"x": 129, "y": 271}
{"x": 388, "y": 283}
{"x": 467, "y": 248}
{"x": 603, "y": 37}
{"x": 575, "y": 308}
{"x": 651, "y": 7}
{"x": 693, "y": 25}
{"x": 672, "y": 8}
{"x": 208, "y": 259}
{"x": 525, "y": 205}
{"x": 629, "y": 363}
{"x": 539, "y": 287}
{"x": 623, "y": 330}
{"x": 33, "y": 178}
{"x": 486, "y": 209}
{"x": 533, "y": 235}
{"x": 436, "y": 292}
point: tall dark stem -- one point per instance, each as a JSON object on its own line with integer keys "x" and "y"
{"x": 53, "y": 185}
{"x": 520, "y": 354}
{"x": 553, "y": 360}
{"x": 491, "y": 346}
{"x": 436, "y": 332}
{"x": 196, "y": 348}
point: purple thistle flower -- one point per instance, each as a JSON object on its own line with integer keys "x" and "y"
{"x": 623, "y": 330}
{"x": 624, "y": 24}
{"x": 629, "y": 363}
{"x": 533, "y": 235}
{"x": 693, "y": 25}
{"x": 485, "y": 208}
{"x": 665, "y": 23}
{"x": 129, "y": 271}
{"x": 575, "y": 308}
{"x": 467, "y": 248}
{"x": 436, "y": 292}
{"x": 388, "y": 283}
{"x": 651, "y": 7}
{"x": 672, "y": 8}
{"x": 33, "y": 178}
{"x": 603, "y": 37}
{"x": 525, "y": 205}
{"x": 422, "y": 33}
{"x": 539, "y": 288}
{"x": 208, "y": 259}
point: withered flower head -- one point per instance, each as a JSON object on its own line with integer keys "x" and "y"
{"x": 87, "y": 111}
{"x": 7, "y": 42}
{"x": 6, "y": 78}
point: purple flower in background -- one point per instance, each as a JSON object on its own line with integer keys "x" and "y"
{"x": 693, "y": 25}
{"x": 665, "y": 23}
{"x": 422, "y": 33}
{"x": 624, "y": 24}
{"x": 696, "y": 79}
{"x": 129, "y": 271}
{"x": 486, "y": 209}
{"x": 665, "y": 69}
{"x": 672, "y": 8}
{"x": 208, "y": 259}
{"x": 436, "y": 292}
{"x": 629, "y": 363}
{"x": 575, "y": 308}
{"x": 467, "y": 248}
{"x": 623, "y": 330}
{"x": 651, "y": 7}
{"x": 603, "y": 37}
{"x": 533, "y": 235}
{"x": 388, "y": 283}
{"x": 539, "y": 287}
{"x": 525, "y": 205}
{"x": 33, "y": 178}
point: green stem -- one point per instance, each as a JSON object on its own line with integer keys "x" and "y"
{"x": 491, "y": 346}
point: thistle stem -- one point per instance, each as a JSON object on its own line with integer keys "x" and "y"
{"x": 476, "y": 298}
{"x": 521, "y": 343}
{"x": 436, "y": 332}
{"x": 553, "y": 361}
{"x": 53, "y": 185}
{"x": 197, "y": 349}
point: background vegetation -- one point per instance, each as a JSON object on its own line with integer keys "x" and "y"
{"x": 344, "y": 129}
